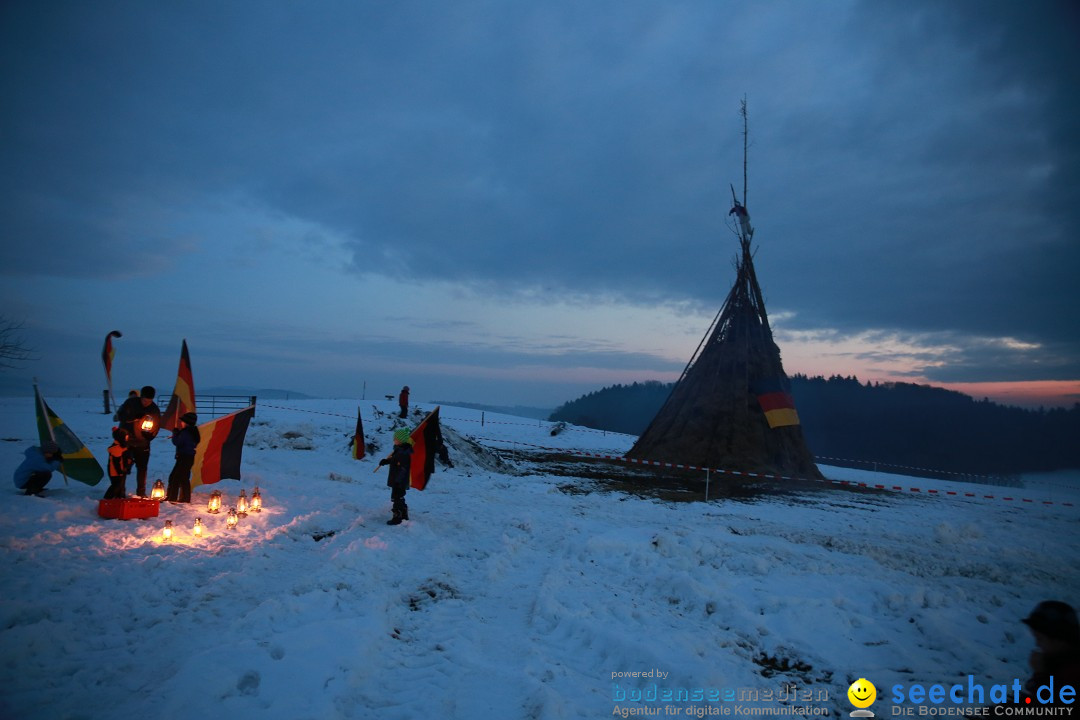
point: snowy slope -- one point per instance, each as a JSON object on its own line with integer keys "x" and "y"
{"x": 506, "y": 595}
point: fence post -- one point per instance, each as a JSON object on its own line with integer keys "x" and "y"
{"x": 105, "y": 393}
{"x": 481, "y": 418}
{"x": 706, "y": 484}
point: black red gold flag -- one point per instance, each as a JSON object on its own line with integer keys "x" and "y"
{"x": 358, "y": 438}
{"x": 221, "y": 447}
{"x": 183, "y": 397}
{"x": 107, "y": 355}
{"x": 425, "y": 445}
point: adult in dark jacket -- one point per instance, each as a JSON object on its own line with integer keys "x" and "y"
{"x": 1057, "y": 651}
{"x": 141, "y": 417}
{"x": 36, "y": 470}
{"x": 186, "y": 441}
{"x": 403, "y": 401}
{"x": 400, "y": 462}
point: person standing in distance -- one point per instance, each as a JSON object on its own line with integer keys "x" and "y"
{"x": 141, "y": 417}
{"x": 403, "y": 401}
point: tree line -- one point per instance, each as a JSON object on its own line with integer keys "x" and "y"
{"x": 895, "y": 423}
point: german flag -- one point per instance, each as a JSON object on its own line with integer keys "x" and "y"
{"x": 183, "y": 397}
{"x": 79, "y": 463}
{"x": 776, "y": 402}
{"x": 425, "y": 439}
{"x": 220, "y": 448}
{"x": 107, "y": 355}
{"x": 358, "y": 438}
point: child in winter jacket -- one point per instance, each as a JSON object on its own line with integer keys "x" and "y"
{"x": 120, "y": 462}
{"x": 36, "y": 470}
{"x": 400, "y": 462}
{"x": 186, "y": 441}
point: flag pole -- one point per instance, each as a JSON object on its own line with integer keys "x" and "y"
{"x": 52, "y": 435}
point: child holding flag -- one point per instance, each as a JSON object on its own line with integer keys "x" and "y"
{"x": 186, "y": 442}
{"x": 400, "y": 462}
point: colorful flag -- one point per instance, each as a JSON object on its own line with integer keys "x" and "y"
{"x": 221, "y": 445}
{"x": 426, "y": 438}
{"x": 776, "y": 402}
{"x": 358, "y": 438}
{"x": 107, "y": 355}
{"x": 79, "y": 463}
{"x": 183, "y": 397}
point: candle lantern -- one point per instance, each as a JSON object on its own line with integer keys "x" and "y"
{"x": 147, "y": 425}
{"x": 198, "y": 529}
{"x": 166, "y": 533}
{"x": 256, "y": 500}
{"x": 233, "y": 519}
{"x": 214, "y": 504}
{"x": 242, "y": 504}
{"x": 158, "y": 491}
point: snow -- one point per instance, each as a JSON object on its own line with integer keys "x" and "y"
{"x": 505, "y": 595}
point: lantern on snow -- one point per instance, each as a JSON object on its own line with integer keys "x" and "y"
{"x": 233, "y": 518}
{"x": 158, "y": 491}
{"x": 198, "y": 529}
{"x": 256, "y": 500}
{"x": 242, "y": 504}
{"x": 214, "y": 504}
{"x": 166, "y": 533}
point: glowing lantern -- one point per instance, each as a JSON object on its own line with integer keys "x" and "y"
{"x": 233, "y": 519}
{"x": 166, "y": 533}
{"x": 147, "y": 425}
{"x": 158, "y": 491}
{"x": 197, "y": 530}
{"x": 256, "y": 500}
{"x": 242, "y": 504}
{"x": 214, "y": 504}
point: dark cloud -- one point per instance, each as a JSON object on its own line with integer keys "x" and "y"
{"x": 913, "y": 164}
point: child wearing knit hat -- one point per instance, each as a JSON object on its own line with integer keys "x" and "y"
{"x": 400, "y": 462}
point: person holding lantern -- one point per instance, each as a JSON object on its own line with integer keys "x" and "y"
{"x": 400, "y": 462}
{"x": 120, "y": 462}
{"x": 141, "y": 418}
{"x": 36, "y": 470}
{"x": 186, "y": 441}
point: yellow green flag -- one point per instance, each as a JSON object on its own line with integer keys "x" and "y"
{"x": 79, "y": 463}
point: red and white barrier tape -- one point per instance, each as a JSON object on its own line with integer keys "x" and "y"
{"x": 766, "y": 476}
{"x": 736, "y": 473}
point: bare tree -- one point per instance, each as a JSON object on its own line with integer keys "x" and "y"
{"x": 12, "y": 348}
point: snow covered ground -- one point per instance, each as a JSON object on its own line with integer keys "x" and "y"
{"x": 508, "y": 594}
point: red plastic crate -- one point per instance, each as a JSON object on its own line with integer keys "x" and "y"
{"x": 128, "y": 508}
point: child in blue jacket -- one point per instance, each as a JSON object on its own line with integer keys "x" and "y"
{"x": 37, "y": 469}
{"x": 186, "y": 441}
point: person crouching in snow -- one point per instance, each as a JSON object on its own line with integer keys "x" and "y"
{"x": 120, "y": 462}
{"x": 400, "y": 461}
{"x": 36, "y": 470}
{"x": 186, "y": 441}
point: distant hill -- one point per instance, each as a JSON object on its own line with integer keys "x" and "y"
{"x": 895, "y": 423}
{"x": 519, "y": 410}
{"x": 261, "y": 393}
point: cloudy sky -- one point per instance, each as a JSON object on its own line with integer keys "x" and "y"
{"x": 518, "y": 202}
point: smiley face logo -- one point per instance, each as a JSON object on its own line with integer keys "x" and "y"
{"x": 862, "y": 693}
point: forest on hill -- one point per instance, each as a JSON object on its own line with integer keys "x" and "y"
{"x": 900, "y": 424}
